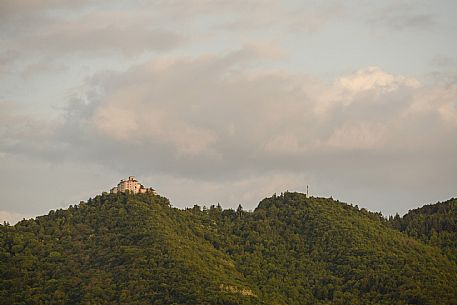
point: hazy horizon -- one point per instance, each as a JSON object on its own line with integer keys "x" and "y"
{"x": 228, "y": 101}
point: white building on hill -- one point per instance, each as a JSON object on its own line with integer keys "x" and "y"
{"x": 131, "y": 185}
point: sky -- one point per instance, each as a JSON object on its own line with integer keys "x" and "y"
{"x": 228, "y": 101}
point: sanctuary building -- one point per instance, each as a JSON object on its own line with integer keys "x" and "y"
{"x": 131, "y": 185}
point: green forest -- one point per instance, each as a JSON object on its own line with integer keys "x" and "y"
{"x": 292, "y": 249}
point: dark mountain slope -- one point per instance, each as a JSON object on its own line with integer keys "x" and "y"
{"x": 434, "y": 224}
{"x": 312, "y": 250}
{"x": 116, "y": 249}
{"x": 136, "y": 249}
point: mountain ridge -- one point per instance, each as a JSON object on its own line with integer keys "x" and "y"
{"x": 292, "y": 249}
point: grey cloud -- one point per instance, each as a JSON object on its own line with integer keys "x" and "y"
{"x": 22, "y": 134}
{"x": 94, "y": 34}
{"x": 313, "y": 18}
{"x": 279, "y": 16}
{"x": 193, "y": 117}
{"x": 10, "y": 9}
{"x": 214, "y": 120}
{"x": 57, "y": 32}
{"x": 443, "y": 69}
{"x": 47, "y": 184}
{"x": 6, "y": 59}
{"x": 415, "y": 21}
{"x": 443, "y": 61}
{"x": 402, "y": 16}
{"x": 81, "y": 38}
{"x": 35, "y": 29}
{"x": 41, "y": 67}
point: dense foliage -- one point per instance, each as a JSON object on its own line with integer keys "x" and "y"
{"x": 434, "y": 224}
{"x": 137, "y": 249}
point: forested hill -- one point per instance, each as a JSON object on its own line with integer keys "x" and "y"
{"x": 434, "y": 224}
{"x": 137, "y": 249}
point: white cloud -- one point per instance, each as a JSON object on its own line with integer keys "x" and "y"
{"x": 374, "y": 78}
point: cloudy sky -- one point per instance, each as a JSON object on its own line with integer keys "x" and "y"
{"x": 228, "y": 101}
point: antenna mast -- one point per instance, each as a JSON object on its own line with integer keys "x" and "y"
{"x": 307, "y": 190}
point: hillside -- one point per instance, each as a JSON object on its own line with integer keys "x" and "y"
{"x": 115, "y": 248}
{"x": 137, "y": 249}
{"x": 434, "y": 224}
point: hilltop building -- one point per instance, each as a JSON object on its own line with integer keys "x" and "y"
{"x": 131, "y": 185}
